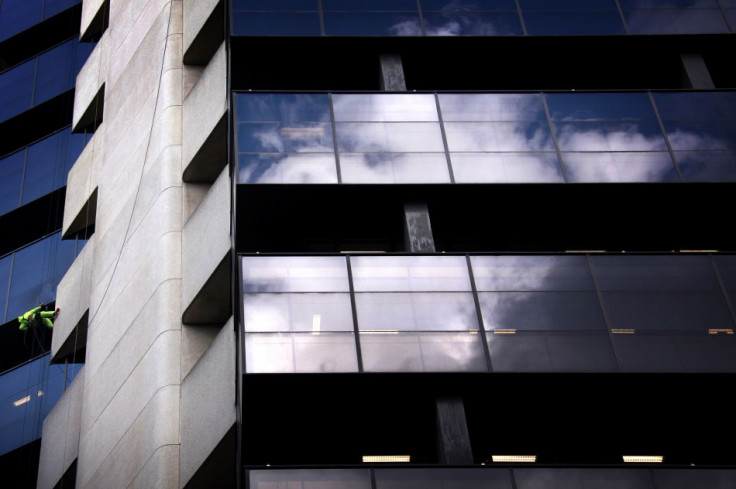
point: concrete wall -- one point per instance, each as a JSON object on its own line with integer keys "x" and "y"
{"x": 129, "y": 423}
{"x": 60, "y": 435}
{"x": 204, "y": 123}
{"x": 208, "y": 407}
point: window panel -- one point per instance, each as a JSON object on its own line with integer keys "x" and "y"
{"x": 294, "y": 274}
{"x": 45, "y": 168}
{"x": 567, "y": 5}
{"x": 372, "y": 24}
{"x": 11, "y": 180}
{"x": 297, "y": 312}
{"x": 481, "y": 5}
{"x": 310, "y": 479}
{"x": 300, "y": 352}
{"x": 394, "y": 168}
{"x": 468, "y": 23}
{"x": 391, "y": 137}
{"x": 498, "y": 136}
{"x": 688, "y": 478}
{"x": 416, "y": 311}
{"x": 646, "y": 166}
{"x": 284, "y": 137}
{"x": 532, "y": 273}
{"x": 422, "y": 352}
{"x": 279, "y": 5}
{"x": 276, "y": 24}
{"x": 256, "y": 107}
{"x": 442, "y": 479}
{"x": 16, "y": 89}
{"x": 369, "y": 5}
{"x": 410, "y": 273}
{"x": 385, "y": 108}
{"x": 55, "y": 72}
{"x": 506, "y": 168}
{"x": 577, "y": 22}
{"x": 491, "y": 107}
{"x": 541, "y": 311}
{"x": 675, "y": 21}
{"x": 668, "y": 352}
{"x": 565, "y": 478}
{"x": 527, "y": 351}
{"x": 5, "y": 266}
{"x": 661, "y": 292}
{"x": 707, "y": 166}
{"x": 287, "y": 168}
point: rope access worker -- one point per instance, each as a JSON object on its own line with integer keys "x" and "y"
{"x": 36, "y": 316}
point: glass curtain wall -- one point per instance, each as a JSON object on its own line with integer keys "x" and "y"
{"x": 581, "y": 137}
{"x": 501, "y": 313}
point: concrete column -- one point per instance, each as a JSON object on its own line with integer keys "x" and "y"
{"x": 452, "y": 431}
{"x": 417, "y": 228}
{"x": 695, "y": 72}
{"x": 392, "y": 73}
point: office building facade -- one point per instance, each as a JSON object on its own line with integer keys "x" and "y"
{"x": 416, "y": 243}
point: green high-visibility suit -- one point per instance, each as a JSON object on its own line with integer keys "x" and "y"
{"x": 29, "y": 317}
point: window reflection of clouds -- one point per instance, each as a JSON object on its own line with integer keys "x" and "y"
{"x": 620, "y": 167}
{"x": 466, "y": 23}
{"x": 287, "y": 168}
{"x": 506, "y": 167}
{"x": 416, "y": 311}
{"x": 410, "y": 273}
{"x": 304, "y": 312}
{"x": 302, "y": 353}
{"x": 394, "y": 168}
{"x": 294, "y": 274}
{"x": 536, "y": 293}
{"x": 422, "y": 352}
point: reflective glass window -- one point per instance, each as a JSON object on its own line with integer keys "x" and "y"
{"x": 16, "y": 89}
{"x": 285, "y": 138}
{"x": 300, "y": 353}
{"x": 699, "y": 121}
{"x": 416, "y": 313}
{"x": 310, "y": 479}
{"x": 544, "y": 478}
{"x": 410, "y": 274}
{"x": 48, "y": 163}
{"x": 726, "y": 266}
{"x": 610, "y": 137}
{"x": 675, "y": 21}
{"x": 369, "y": 5}
{"x": 572, "y": 22}
{"x": 6, "y": 263}
{"x": 372, "y": 23}
{"x": 276, "y": 24}
{"x": 443, "y": 479}
{"x": 536, "y": 293}
{"x": 56, "y": 70}
{"x": 479, "y": 5}
{"x": 37, "y": 269}
{"x": 29, "y": 392}
{"x": 506, "y": 167}
{"x": 304, "y": 301}
{"x": 499, "y": 138}
{"x": 18, "y": 15}
{"x": 676, "y": 352}
{"x": 551, "y": 351}
{"x": 11, "y": 180}
{"x": 707, "y": 166}
{"x": 294, "y": 274}
{"x": 457, "y": 20}
{"x": 278, "y": 17}
{"x": 389, "y": 138}
{"x": 567, "y": 5}
{"x": 422, "y": 352}
{"x": 688, "y": 478}
{"x": 667, "y": 292}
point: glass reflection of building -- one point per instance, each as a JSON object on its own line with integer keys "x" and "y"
{"x": 464, "y": 243}
{"x": 40, "y": 55}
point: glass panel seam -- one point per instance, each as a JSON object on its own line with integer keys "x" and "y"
{"x": 354, "y": 310}
{"x": 479, "y": 316}
{"x": 553, "y": 135}
{"x": 665, "y": 136}
{"x": 602, "y": 305}
{"x": 444, "y": 137}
